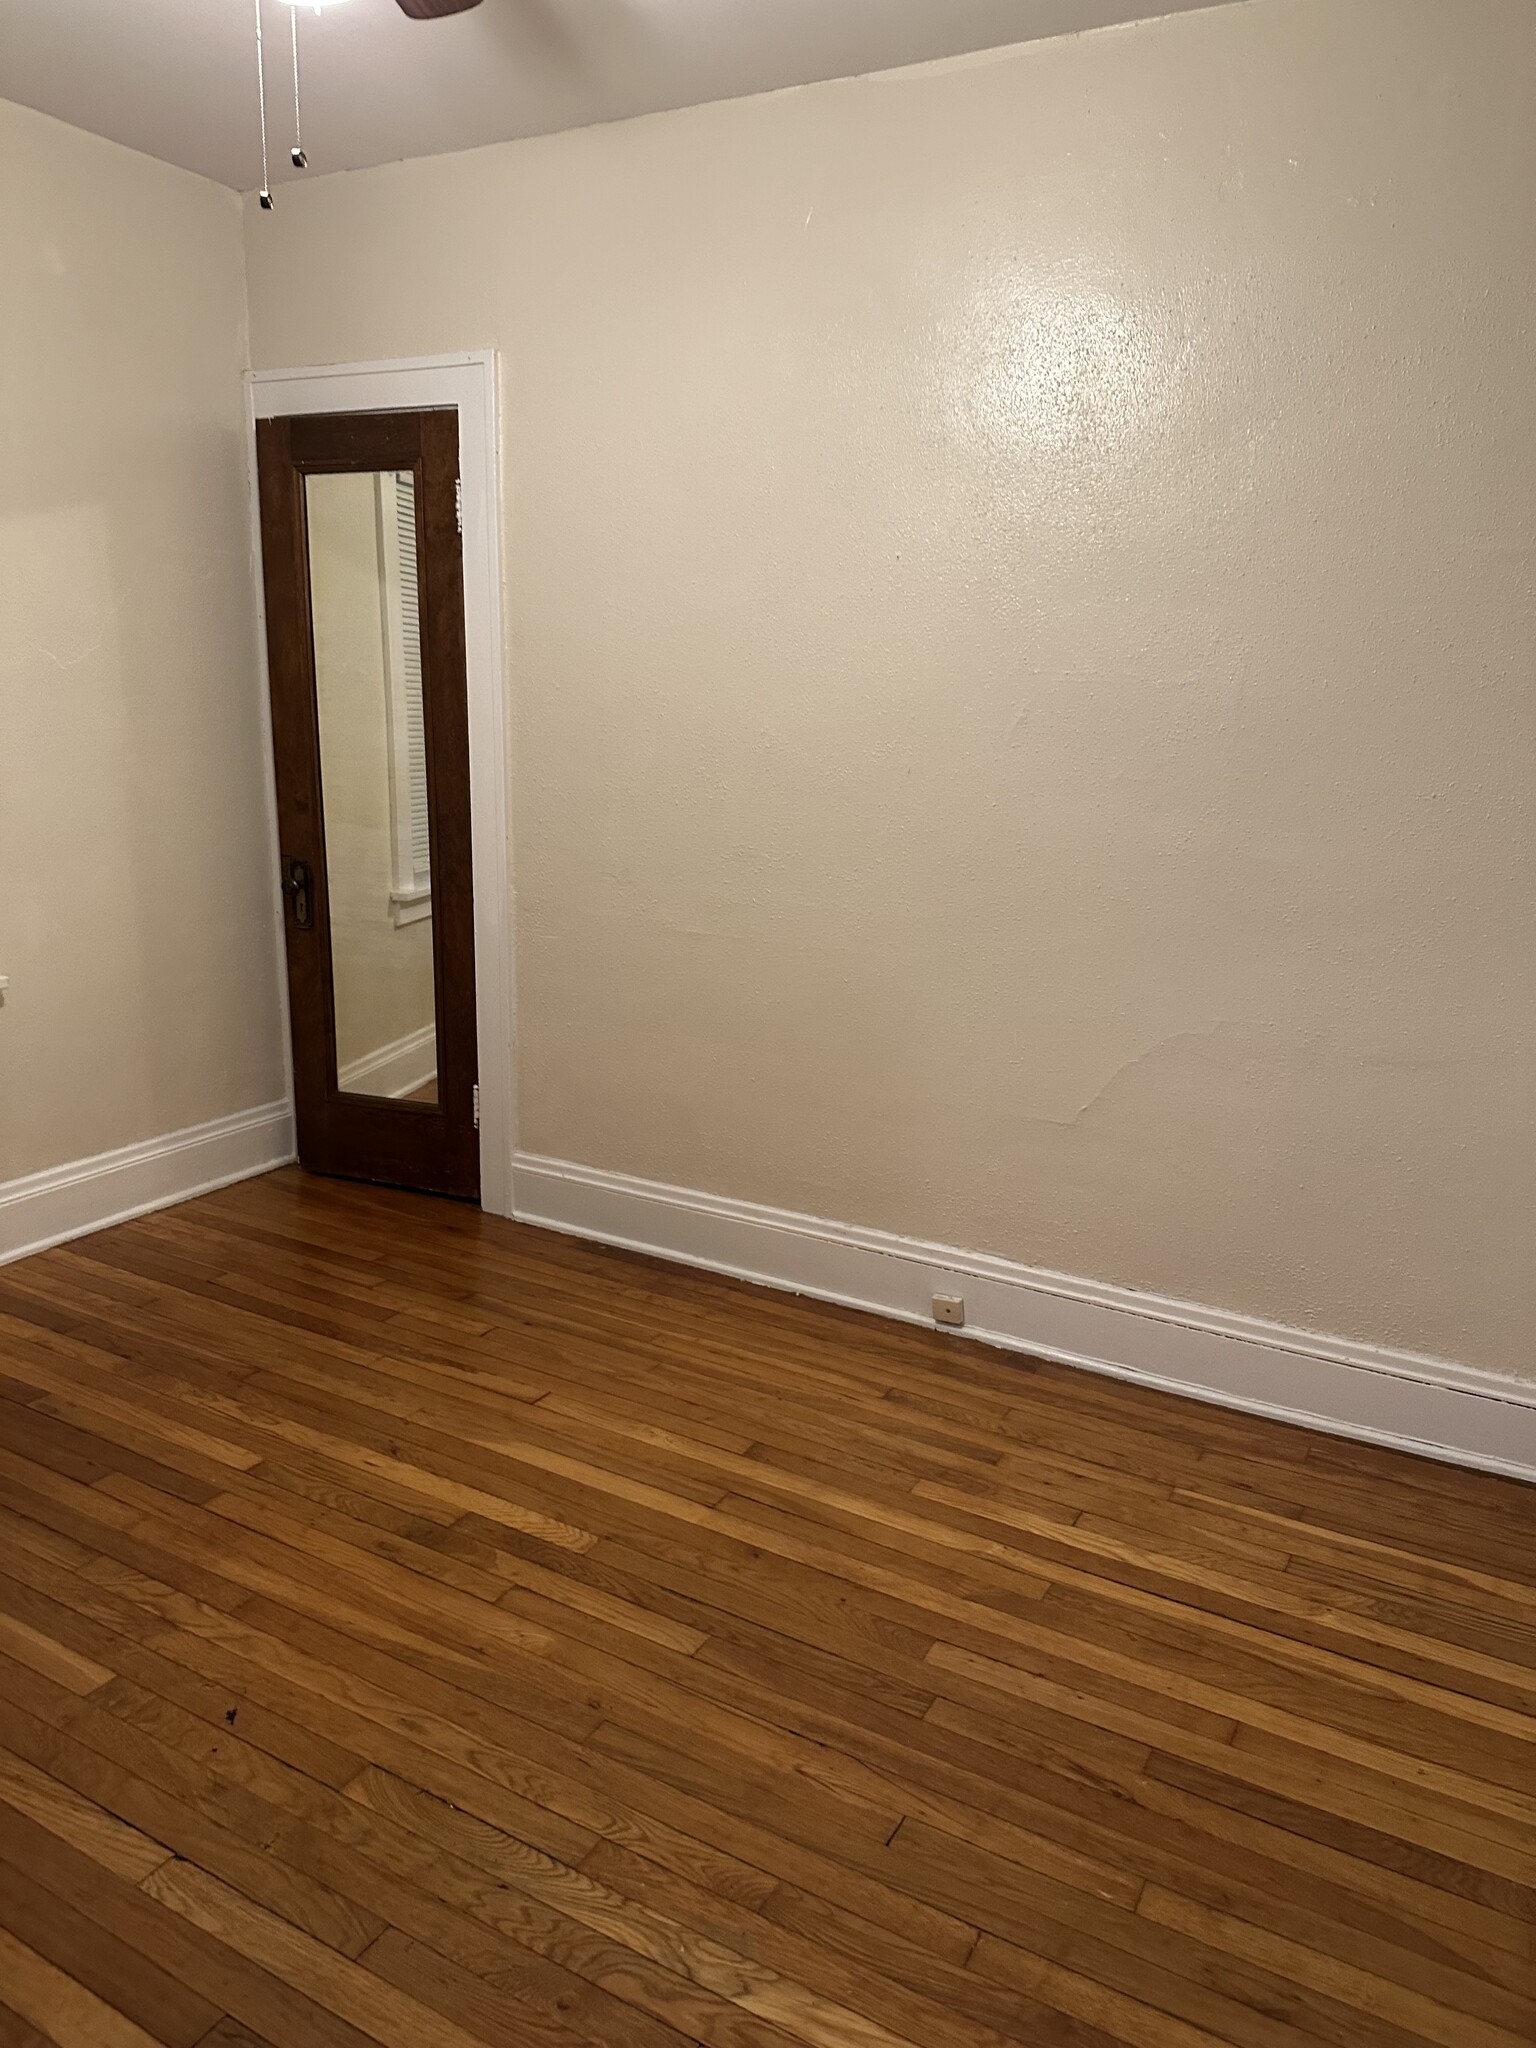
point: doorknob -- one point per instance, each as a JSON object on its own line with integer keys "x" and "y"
{"x": 299, "y": 890}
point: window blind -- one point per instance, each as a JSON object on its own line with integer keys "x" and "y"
{"x": 410, "y": 642}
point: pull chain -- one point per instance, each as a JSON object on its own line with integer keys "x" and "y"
{"x": 296, "y": 155}
{"x": 265, "y": 195}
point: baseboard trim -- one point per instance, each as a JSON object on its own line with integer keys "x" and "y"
{"x": 396, "y": 1069}
{"x": 43, "y": 1209}
{"x": 1460, "y": 1414}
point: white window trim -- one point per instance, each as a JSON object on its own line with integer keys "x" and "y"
{"x": 410, "y": 906}
{"x": 467, "y": 382}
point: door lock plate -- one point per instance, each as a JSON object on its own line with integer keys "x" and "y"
{"x": 298, "y": 887}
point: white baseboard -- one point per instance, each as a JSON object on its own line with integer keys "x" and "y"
{"x": 42, "y": 1209}
{"x": 1461, "y": 1414}
{"x": 396, "y": 1069}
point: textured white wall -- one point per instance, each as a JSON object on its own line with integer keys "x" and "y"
{"x": 1019, "y": 596}
{"x": 135, "y": 877}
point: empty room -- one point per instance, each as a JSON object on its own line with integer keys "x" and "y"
{"x": 767, "y": 1024}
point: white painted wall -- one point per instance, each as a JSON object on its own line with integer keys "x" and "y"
{"x": 136, "y": 919}
{"x": 1019, "y": 610}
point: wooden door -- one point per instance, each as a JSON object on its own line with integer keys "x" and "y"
{"x": 364, "y": 591}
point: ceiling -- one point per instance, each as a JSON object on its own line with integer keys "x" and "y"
{"x": 177, "y": 78}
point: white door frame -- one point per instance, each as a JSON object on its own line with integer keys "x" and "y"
{"x": 466, "y": 381}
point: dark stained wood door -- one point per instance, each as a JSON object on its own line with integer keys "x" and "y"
{"x": 363, "y": 577}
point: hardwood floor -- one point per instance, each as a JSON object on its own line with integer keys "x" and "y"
{"x": 419, "y": 1629}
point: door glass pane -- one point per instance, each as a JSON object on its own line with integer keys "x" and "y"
{"x": 378, "y": 852}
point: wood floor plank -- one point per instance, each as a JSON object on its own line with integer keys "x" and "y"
{"x": 61, "y": 2007}
{"x": 44, "y": 1798}
{"x": 62, "y": 1932}
{"x": 1405, "y": 2005}
{"x": 419, "y": 1628}
{"x": 705, "y": 1961}
{"x": 270, "y": 2007}
{"x": 15, "y": 2032}
{"x": 123, "y": 1776}
{"x": 338, "y": 1985}
{"x": 1340, "y": 1641}
{"x": 1426, "y": 1821}
{"x": 482, "y": 2007}
{"x": 54, "y": 1659}
{"x": 229, "y": 2033}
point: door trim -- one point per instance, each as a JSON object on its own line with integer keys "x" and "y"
{"x": 467, "y": 382}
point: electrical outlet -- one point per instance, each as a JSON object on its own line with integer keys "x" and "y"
{"x": 949, "y": 1309}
